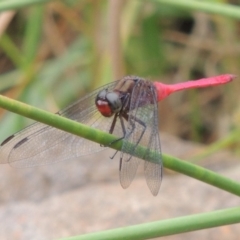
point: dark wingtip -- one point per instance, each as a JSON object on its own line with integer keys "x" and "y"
{"x": 7, "y": 140}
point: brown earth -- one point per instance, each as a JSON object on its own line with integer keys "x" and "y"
{"x": 81, "y": 196}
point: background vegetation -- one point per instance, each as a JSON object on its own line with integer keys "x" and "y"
{"x": 53, "y": 53}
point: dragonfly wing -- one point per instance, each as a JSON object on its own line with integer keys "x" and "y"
{"x": 41, "y": 144}
{"x": 153, "y": 168}
{"x": 127, "y": 170}
{"x": 142, "y": 129}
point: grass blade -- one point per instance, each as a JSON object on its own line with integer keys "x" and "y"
{"x": 167, "y": 227}
{"x": 104, "y": 138}
{"x": 15, "y": 4}
{"x": 222, "y": 9}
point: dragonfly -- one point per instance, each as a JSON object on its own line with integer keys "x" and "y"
{"x": 126, "y": 108}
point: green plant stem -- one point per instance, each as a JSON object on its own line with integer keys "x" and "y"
{"x": 33, "y": 35}
{"x": 14, "y": 4}
{"x": 167, "y": 227}
{"x": 232, "y": 11}
{"x": 104, "y": 138}
{"x": 222, "y": 9}
{"x": 201, "y": 174}
{"x": 59, "y": 122}
{"x": 11, "y": 50}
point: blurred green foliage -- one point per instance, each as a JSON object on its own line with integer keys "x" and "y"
{"x": 54, "y": 53}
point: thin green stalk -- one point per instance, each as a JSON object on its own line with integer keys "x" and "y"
{"x": 201, "y": 174}
{"x": 32, "y": 35}
{"x": 8, "y": 46}
{"x": 59, "y": 122}
{"x": 222, "y": 9}
{"x": 104, "y": 138}
{"x": 167, "y": 227}
{"x": 14, "y": 4}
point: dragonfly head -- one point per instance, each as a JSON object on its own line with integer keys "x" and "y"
{"x": 108, "y": 103}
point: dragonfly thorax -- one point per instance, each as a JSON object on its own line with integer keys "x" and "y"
{"x": 108, "y": 103}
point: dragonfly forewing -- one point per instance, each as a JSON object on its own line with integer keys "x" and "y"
{"x": 40, "y": 144}
{"x": 142, "y": 129}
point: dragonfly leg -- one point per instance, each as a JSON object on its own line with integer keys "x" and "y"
{"x": 143, "y": 131}
{"x": 124, "y": 134}
{"x": 133, "y": 121}
{"x": 112, "y": 128}
{"x": 120, "y": 115}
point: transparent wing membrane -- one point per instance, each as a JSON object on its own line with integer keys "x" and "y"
{"x": 142, "y": 129}
{"x": 39, "y": 144}
{"x": 136, "y": 123}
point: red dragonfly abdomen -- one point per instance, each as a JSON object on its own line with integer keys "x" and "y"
{"x": 165, "y": 90}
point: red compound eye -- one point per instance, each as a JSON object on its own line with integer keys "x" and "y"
{"x": 104, "y": 108}
{"x": 108, "y": 103}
